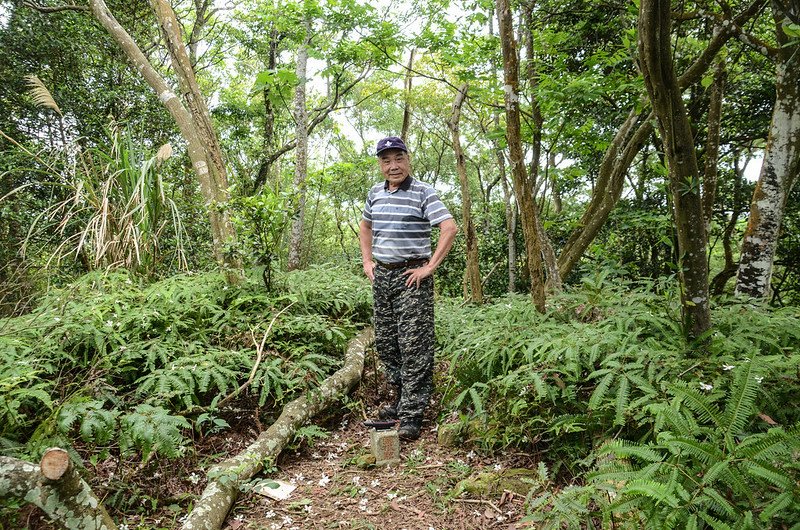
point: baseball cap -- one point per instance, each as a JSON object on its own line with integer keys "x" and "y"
{"x": 390, "y": 142}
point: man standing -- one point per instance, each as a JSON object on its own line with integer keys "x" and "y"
{"x": 395, "y": 240}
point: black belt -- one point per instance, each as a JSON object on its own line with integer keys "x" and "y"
{"x": 402, "y": 264}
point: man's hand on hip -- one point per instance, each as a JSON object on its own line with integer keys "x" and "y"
{"x": 369, "y": 270}
{"x": 414, "y": 276}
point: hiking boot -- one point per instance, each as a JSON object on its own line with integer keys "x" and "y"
{"x": 409, "y": 429}
{"x": 389, "y": 412}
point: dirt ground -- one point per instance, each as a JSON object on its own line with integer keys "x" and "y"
{"x": 334, "y": 488}
{"x": 333, "y": 491}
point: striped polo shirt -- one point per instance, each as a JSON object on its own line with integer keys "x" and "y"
{"x": 401, "y": 220}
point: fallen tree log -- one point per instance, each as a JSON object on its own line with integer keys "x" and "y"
{"x": 55, "y": 487}
{"x": 226, "y": 477}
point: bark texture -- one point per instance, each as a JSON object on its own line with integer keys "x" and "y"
{"x": 199, "y": 136}
{"x": 523, "y": 186}
{"x": 673, "y": 123}
{"x": 225, "y": 478}
{"x": 553, "y": 280}
{"x": 472, "y": 274}
{"x": 712, "y": 143}
{"x": 407, "y": 108}
{"x": 779, "y": 170}
{"x": 301, "y": 152}
{"x": 65, "y": 497}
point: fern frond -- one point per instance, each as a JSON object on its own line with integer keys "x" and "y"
{"x": 625, "y": 449}
{"x": 718, "y": 503}
{"x": 705, "y": 452}
{"x": 621, "y": 402}
{"x": 769, "y": 473}
{"x": 740, "y": 403}
{"x": 778, "y": 504}
{"x": 659, "y": 492}
{"x": 41, "y": 96}
{"x": 700, "y": 404}
{"x": 600, "y": 391}
{"x": 766, "y": 446}
{"x": 713, "y": 522}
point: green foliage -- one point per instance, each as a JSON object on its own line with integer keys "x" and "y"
{"x": 260, "y": 221}
{"x": 152, "y": 429}
{"x": 114, "y": 210}
{"x": 604, "y": 383}
{"x": 709, "y": 462}
{"x": 111, "y": 359}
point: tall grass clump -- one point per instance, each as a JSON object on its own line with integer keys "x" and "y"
{"x": 606, "y": 392}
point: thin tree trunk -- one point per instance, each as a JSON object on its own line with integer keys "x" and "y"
{"x": 201, "y": 118}
{"x": 407, "y": 108}
{"x": 712, "y": 143}
{"x": 778, "y": 172}
{"x": 472, "y": 273}
{"x": 555, "y": 189}
{"x": 628, "y": 141}
{"x": 268, "y": 145}
{"x": 55, "y": 487}
{"x": 523, "y": 186}
{"x": 717, "y": 285}
{"x": 301, "y": 152}
{"x": 225, "y": 478}
{"x": 553, "y": 283}
{"x": 212, "y": 186}
{"x": 676, "y": 132}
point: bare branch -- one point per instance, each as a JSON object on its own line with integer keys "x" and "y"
{"x": 53, "y": 9}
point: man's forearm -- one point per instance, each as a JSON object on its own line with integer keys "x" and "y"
{"x": 365, "y": 241}
{"x": 447, "y": 234}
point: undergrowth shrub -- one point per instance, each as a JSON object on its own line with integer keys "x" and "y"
{"x": 608, "y": 363}
{"x": 118, "y": 363}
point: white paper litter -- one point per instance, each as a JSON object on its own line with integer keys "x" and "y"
{"x": 269, "y": 489}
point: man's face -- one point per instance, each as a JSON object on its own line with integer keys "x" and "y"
{"x": 395, "y": 166}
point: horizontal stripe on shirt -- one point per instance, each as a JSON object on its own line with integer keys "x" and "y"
{"x": 401, "y": 220}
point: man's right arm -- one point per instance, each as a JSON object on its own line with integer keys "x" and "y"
{"x": 365, "y": 242}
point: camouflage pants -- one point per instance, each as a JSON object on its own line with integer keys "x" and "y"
{"x": 404, "y": 337}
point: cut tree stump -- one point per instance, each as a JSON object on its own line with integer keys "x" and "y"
{"x": 212, "y": 508}
{"x": 55, "y": 487}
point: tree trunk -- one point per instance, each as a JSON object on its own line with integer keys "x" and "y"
{"x": 717, "y": 285}
{"x": 407, "y": 108}
{"x": 225, "y": 478}
{"x": 553, "y": 283}
{"x": 555, "y": 188}
{"x": 57, "y": 488}
{"x": 676, "y": 132}
{"x": 301, "y": 152}
{"x": 213, "y": 185}
{"x": 778, "y": 172}
{"x": 712, "y": 144}
{"x": 224, "y": 233}
{"x": 523, "y": 186}
{"x": 472, "y": 273}
{"x": 268, "y": 145}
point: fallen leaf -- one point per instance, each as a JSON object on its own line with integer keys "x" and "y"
{"x": 767, "y": 419}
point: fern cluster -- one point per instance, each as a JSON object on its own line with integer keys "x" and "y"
{"x": 119, "y": 363}
{"x": 608, "y": 363}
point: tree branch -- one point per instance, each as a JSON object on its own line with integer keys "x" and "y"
{"x": 53, "y": 9}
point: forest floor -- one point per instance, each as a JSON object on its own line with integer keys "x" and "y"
{"x": 334, "y": 487}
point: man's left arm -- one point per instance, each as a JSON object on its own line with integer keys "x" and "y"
{"x": 447, "y": 234}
